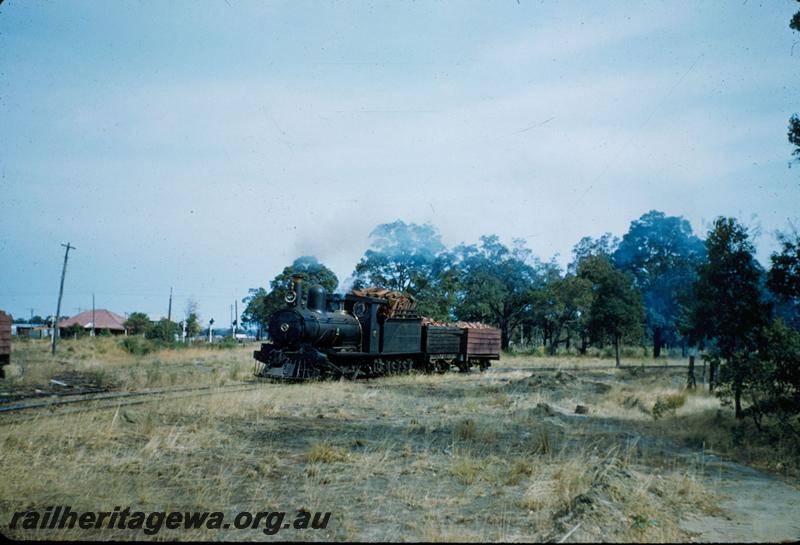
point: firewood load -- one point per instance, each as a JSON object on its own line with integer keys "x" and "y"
{"x": 399, "y": 303}
{"x": 462, "y": 325}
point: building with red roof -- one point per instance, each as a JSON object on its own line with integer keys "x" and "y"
{"x": 104, "y": 320}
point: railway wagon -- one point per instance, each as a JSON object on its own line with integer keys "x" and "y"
{"x": 481, "y": 345}
{"x": 365, "y": 333}
{"x": 5, "y": 342}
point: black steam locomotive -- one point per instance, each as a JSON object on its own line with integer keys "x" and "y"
{"x": 356, "y": 336}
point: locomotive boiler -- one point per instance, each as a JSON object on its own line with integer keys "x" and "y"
{"x": 359, "y": 334}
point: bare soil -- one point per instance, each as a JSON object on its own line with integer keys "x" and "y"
{"x": 752, "y": 505}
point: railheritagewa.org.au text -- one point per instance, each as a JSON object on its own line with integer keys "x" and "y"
{"x": 152, "y": 522}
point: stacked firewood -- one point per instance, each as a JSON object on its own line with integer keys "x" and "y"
{"x": 462, "y": 325}
{"x": 398, "y": 302}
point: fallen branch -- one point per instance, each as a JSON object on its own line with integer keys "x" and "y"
{"x": 563, "y": 539}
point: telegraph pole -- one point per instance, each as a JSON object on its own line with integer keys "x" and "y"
{"x": 93, "y": 315}
{"x": 236, "y": 318}
{"x": 60, "y": 294}
{"x": 169, "y": 310}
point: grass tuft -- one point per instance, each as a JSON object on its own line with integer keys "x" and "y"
{"x": 325, "y": 453}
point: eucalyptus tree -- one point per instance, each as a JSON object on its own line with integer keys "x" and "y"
{"x": 662, "y": 254}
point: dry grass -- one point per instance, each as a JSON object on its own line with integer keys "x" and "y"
{"x": 104, "y": 361}
{"x": 660, "y": 405}
{"x": 466, "y": 457}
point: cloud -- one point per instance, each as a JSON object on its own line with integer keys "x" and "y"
{"x": 579, "y": 30}
{"x": 220, "y": 179}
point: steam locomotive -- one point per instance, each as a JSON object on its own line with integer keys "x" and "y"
{"x": 329, "y": 336}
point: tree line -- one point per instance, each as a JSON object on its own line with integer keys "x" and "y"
{"x": 659, "y": 284}
{"x": 139, "y": 323}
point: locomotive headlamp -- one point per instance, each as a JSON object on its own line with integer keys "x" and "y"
{"x": 290, "y": 297}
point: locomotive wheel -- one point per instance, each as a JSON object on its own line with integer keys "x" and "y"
{"x": 379, "y": 368}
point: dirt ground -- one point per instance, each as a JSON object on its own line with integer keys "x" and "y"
{"x": 491, "y": 456}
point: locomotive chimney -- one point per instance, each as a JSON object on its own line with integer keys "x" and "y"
{"x": 298, "y": 289}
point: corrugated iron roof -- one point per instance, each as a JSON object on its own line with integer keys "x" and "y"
{"x": 104, "y": 319}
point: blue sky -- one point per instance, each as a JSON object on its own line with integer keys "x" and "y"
{"x": 205, "y": 145}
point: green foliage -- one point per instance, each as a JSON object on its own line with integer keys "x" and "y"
{"x": 661, "y": 254}
{"x": 401, "y": 256}
{"x": 587, "y": 247}
{"x": 76, "y": 330}
{"x": 727, "y": 295}
{"x": 794, "y": 121}
{"x": 260, "y": 303}
{"x": 775, "y": 385}
{"x": 728, "y": 307}
{"x": 138, "y": 323}
{"x": 616, "y": 312}
{"x": 192, "y": 321}
{"x": 436, "y": 291}
{"x": 784, "y": 276}
{"x": 33, "y": 320}
{"x": 137, "y": 345}
{"x": 563, "y": 305}
{"x": 226, "y": 342}
{"x": 164, "y": 330}
{"x": 496, "y": 284}
{"x": 193, "y": 325}
{"x": 641, "y": 521}
{"x": 411, "y": 258}
{"x": 255, "y": 311}
{"x": 783, "y": 279}
{"x": 794, "y": 127}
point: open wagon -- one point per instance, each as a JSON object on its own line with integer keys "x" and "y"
{"x": 479, "y": 346}
{"x": 5, "y": 342}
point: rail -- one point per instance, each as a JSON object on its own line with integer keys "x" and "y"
{"x": 156, "y": 395}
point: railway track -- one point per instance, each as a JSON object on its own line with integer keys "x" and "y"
{"x": 98, "y": 400}
{"x": 110, "y": 400}
{"x": 578, "y": 368}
